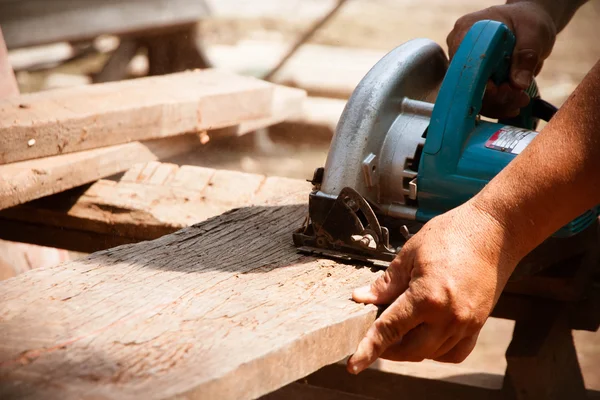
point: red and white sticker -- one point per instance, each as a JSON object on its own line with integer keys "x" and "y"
{"x": 510, "y": 139}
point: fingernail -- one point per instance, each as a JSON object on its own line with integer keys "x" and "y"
{"x": 523, "y": 78}
{"x": 362, "y": 294}
{"x": 359, "y": 360}
{"x": 355, "y": 365}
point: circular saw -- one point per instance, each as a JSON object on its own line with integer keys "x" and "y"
{"x": 411, "y": 145}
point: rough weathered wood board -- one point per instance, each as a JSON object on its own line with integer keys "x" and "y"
{"x": 28, "y": 180}
{"x": 150, "y": 200}
{"x": 35, "y": 22}
{"x": 226, "y": 309}
{"x": 85, "y": 117}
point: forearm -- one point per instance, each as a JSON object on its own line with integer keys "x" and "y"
{"x": 561, "y": 11}
{"x": 556, "y": 178}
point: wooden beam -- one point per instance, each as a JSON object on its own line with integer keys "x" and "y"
{"x": 150, "y": 200}
{"x": 28, "y": 180}
{"x": 541, "y": 359}
{"x": 85, "y": 117}
{"x": 36, "y": 22}
{"x": 225, "y": 309}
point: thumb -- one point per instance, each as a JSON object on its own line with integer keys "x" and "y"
{"x": 390, "y": 285}
{"x": 524, "y": 64}
{"x": 389, "y": 328}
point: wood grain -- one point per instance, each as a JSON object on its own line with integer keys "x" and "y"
{"x": 85, "y": 117}
{"x": 28, "y": 180}
{"x": 289, "y": 104}
{"x": 150, "y": 200}
{"x": 226, "y": 309}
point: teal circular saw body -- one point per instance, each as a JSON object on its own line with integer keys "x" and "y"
{"x": 462, "y": 153}
{"x": 411, "y": 144}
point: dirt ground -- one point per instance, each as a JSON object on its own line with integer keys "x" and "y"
{"x": 382, "y": 25}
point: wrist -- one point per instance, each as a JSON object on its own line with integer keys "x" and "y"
{"x": 505, "y": 225}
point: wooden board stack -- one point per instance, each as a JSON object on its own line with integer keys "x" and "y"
{"x": 56, "y": 140}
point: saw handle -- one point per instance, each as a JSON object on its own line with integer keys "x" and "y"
{"x": 484, "y": 54}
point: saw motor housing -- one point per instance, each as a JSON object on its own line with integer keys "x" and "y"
{"x": 411, "y": 145}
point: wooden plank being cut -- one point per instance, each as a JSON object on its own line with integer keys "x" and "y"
{"x": 150, "y": 200}
{"x": 35, "y": 22}
{"x": 226, "y": 309}
{"x": 28, "y": 180}
{"x": 85, "y": 117}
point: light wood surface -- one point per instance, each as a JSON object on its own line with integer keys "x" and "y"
{"x": 85, "y": 117}
{"x": 150, "y": 200}
{"x": 28, "y": 180}
{"x": 226, "y": 309}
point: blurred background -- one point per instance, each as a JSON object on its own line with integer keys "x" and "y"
{"x": 54, "y": 44}
{"x": 251, "y": 37}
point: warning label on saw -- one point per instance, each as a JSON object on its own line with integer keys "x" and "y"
{"x": 510, "y": 139}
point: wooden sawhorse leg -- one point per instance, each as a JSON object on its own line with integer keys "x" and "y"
{"x": 541, "y": 358}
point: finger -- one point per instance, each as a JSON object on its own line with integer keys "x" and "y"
{"x": 491, "y": 89}
{"x": 420, "y": 343}
{"x": 503, "y": 101}
{"x": 391, "y": 284}
{"x": 532, "y": 46}
{"x": 459, "y": 352}
{"x": 448, "y": 345}
{"x": 453, "y": 41}
{"x": 523, "y": 66}
{"x": 388, "y": 329}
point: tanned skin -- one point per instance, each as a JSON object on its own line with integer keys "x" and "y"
{"x": 445, "y": 282}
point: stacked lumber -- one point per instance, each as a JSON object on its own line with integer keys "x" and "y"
{"x": 149, "y": 201}
{"x": 57, "y": 140}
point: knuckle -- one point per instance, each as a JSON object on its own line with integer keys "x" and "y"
{"x": 388, "y": 331}
{"x": 461, "y": 316}
{"x": 435, "y": 300}
{"x": 381, "y": 283}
